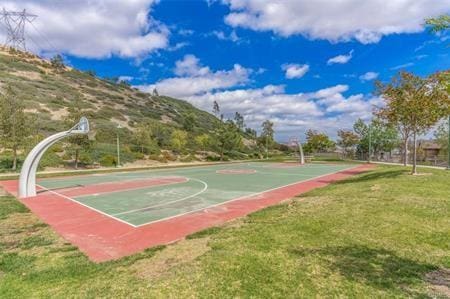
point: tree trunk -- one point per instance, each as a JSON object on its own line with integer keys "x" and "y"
{"x": 77, "y": 152}
{"x": 14, "y": 166}
{"x": 414, "y": 169}
{"x": 405, "y": 152}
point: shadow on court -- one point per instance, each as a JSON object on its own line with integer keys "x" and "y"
{"x": 377, "y": 267}
{"x": 369, "y": 176}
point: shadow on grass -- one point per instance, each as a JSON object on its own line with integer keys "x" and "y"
{"x": 373, "y": 175}
{"x": 379, "y": 268}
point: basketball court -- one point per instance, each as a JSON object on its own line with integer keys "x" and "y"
{"x": 110, "y": 215}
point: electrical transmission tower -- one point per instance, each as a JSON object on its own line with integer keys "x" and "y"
{"x": 15, "y": 21}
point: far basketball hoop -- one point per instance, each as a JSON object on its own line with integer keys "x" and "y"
{"x": 295, "y": 143}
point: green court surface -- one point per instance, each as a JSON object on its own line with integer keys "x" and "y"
{"x": 196, "y": 188}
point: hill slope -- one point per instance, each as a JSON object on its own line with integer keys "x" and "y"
{"x": 49, "y": 93}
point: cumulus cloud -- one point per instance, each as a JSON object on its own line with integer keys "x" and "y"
{"x": 334, "y": 20}
{"x": 325, "y": 109}
{"x": 369, "y": 76}
{"x": 340, "y": 59}
{"x": 94, "y": 29}
{"x": 195, "y": 79}
{"x": 293, "y": 71}
{"x": 223, "y": 36}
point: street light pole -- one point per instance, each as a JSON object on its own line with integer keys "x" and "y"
{"x": 267, "y": 147}
{"x": 118, "y": 145}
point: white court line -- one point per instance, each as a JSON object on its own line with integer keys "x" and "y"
{"x": 245, "y": 196}
{"x": 89, "y": 207}
{"x": 205, "y": 187}
{"x": 166, "y": 183}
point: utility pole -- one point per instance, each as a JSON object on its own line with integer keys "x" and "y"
{"x": 267, "y": 147}
{"x": 15, "y": 21}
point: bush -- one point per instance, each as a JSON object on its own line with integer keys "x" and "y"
{"x": 50, "y": 159}
{"x": 169, "y": 157}
{"x": 159, "y": 158}
{"x": 188, "y": 158}
{"x": 108, "y": 160}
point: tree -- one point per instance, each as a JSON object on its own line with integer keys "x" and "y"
{"x": 178, "y": 140}
{"x": 348, "y": 141}
{"x": 318, "y": 142}
{"x": 216, "y": 109}
{"x": 441, "y": 135}
{"x": 203, "y": 141}
{"x": 143, "y": 138}
{"x": 380, "y": 136}
{"x": 413, "y": 105}
{"x": 266, "y": 139}
{"x": 57, "y": 63}
{"x": 78, "y": 142}
{"x": 15, "y": 125}
{"x": 189, "y": 122}
{"x": 438, "y": 24}
{"x": 227, "y": 137}
{"x": 155, "y": 92}
{"x": 239, "y": 121}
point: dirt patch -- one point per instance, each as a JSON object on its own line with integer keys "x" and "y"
{"x": 439, "y": 281}
{"x": 375, "y": 187}
{"x": 174, "y": 255}
{"x": 28, "y": 75}
{"x": 3, "y": 192}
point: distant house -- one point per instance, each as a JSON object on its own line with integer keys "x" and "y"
{"x": 429, "y": 149}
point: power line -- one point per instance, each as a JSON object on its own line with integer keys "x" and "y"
{"x": 15, "y": 22}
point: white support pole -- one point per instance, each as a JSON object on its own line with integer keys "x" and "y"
{"x": 27, "y": 179}
{"x": 302, "y": 156}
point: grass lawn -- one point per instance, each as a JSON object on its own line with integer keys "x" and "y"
{"x": 380, "y": 234}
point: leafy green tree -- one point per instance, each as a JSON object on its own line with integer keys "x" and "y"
{"x": 189, "y": 122}
{"x": 381, "y": 136}
{"x": 266, "y": 139}
{"x": 348, "y": 140}
{"x": 413, "y": 105}
{"x": 318, "y": 142}
{"x": 78, "y": 142}
{"x": 441, "y": 135}
{"x": 15, "y": 125}
{"x": 203, "y": 141}
{"x": 178, "y": 140}
{"x": 143, "y": 138}
{"x": 438, "y": 24}
{"x": 227, "y": 137}
{"x": 57, "y": 63}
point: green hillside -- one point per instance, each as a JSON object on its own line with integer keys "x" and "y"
{"x": 52, "y": 94}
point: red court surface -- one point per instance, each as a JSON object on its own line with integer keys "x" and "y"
{"x": 103, "y": 238}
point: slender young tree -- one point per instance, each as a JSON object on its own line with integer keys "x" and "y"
{"x": 216, "y": 109}
{"x": 348, "y": 141}
{"x": 15, "y": 125}
{"x": 413, "y": 105}
{"x": 239, "y": 121}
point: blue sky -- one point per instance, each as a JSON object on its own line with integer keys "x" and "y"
{"x": 302, "y": 64}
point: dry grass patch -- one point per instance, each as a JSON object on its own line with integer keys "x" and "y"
{"x": 172, "y": 256}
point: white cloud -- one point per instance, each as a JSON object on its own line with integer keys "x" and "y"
{"x": 324, "y": 110}
{"x": 340, "y": 59}
{"x": 365, "y": 21}
{"x": 223, "y": 36}
{"x": 401, "y": 66}
{"x": 195, "y": 79}
{"x": 125, "y": 78}
{"x": 95, "y": 29}
{"x": 293, "y": 70}
{"x": 369, "y": 76}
